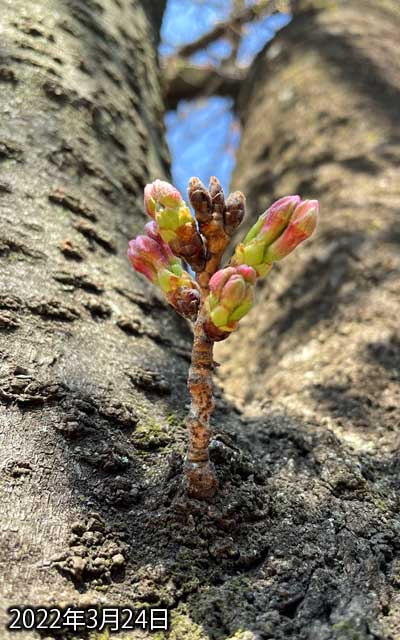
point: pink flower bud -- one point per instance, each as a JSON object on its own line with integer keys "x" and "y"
{"x": 147, "y": 257}
{"x": 271, "y": 223}
{"x": 219, "y": 278}
{"x": 152, "y": 257}
{"x": 153, "y": 232}
{"x": 276, "y": 233}
{"x": 277, "y": 218}
{"x": 143, "y": 267}
{"x": 175, "y": 223}
{"x": 161, "y": 193}
{"x": 247, "y": 273}
{"x": 300, "y": 227}
{"x": 231, "y": 297}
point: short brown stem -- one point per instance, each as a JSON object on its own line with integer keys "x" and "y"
{"x": 201, "y": 480}
{"x": 216, "y": 224}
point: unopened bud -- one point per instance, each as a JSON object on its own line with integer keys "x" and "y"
{"x": 153, "y": 232}
{"x": 186, "y": 301}
{"x": 231, "y": 297}
{"x": 152, "y": 257}
{"x": 217, "y": 194}
{"x": 235, "y": 211}
{"x": 300, "y": 227}
{"x": 272, "y": 222}
{"x": 200, "y": 200}
{"x": 147, "y": 257}
{"x": 177, "y": 227}
{"x": 276, "y": 233}
{"x": 159, "y": 193}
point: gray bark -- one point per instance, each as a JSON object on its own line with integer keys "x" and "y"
{"x": 320, "y": 118}
{"x": 89, "y": 352}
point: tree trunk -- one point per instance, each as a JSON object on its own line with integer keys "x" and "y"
{"x": 89, "y": 352}
{"x": 320, "y": 115}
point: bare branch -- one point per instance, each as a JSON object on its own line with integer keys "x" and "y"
{"x": 221, "y": 29}
{"x": 185, "y": 81}
{"x": 235, "y": 35}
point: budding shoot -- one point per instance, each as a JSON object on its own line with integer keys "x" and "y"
{"x": 215, "y": 299}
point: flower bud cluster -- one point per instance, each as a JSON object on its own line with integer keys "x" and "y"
{"x": 152, "y": 257}
{"x": 226, "y": 295}
{"x": 276, "y": 233}
{"x": 231, "y": 297}
{"x": 176, "y": 225}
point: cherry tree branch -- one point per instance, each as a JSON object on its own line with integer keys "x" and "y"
{"x": 221, "y": 29}
{"x": 186, "y": 81}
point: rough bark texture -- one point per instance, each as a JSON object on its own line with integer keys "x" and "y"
{"x": 322, "y": 346}
{"x": 88, "y": 352}
{"x": 302, "y": 538}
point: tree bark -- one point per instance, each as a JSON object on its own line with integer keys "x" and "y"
{"x": 320, "y": 118}
{"x": 89, "y": 352}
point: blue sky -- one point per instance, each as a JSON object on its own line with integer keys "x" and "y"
{"x": 203, "y": 135}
